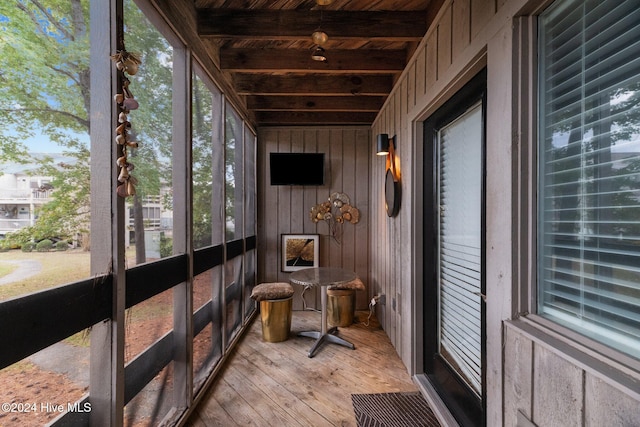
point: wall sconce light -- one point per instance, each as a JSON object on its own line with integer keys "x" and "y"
{"x": 385, "y": 146}
{"x": 382, "y": 147}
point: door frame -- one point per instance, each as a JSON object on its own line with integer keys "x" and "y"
{"x": 468, "y": 410}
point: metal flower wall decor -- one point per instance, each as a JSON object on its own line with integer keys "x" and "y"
{"x": 335, "y": 211}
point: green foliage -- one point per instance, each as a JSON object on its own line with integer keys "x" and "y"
{"x": 166, "y": 246}
{"x": 20, "y": 237}
{"x": 68, "y": 213}
{"x": 62, "y": 246}
{"x": 202, "y": 175}
{"x": 45, "y": 89}
{"x": 44, "y": 246}
{"x": 44, "y": 83}
{"x": 152, "y": 88}
{"x": 28, "y": 247}
{"x": 45, "y": 228}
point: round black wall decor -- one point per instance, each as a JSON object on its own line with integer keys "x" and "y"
{"x": 392, "y": 193}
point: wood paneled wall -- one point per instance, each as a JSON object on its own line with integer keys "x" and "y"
{"x": 285, "y": 209}
{"x": 531, "y": 375}
{"x": 451, "y": 52}
{"x": 464, "y": 37}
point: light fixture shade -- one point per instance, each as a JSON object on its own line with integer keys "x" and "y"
{"x": 319, "y": 37}
{"x": 318, "y": 55}
{"x": 382, "y": 147}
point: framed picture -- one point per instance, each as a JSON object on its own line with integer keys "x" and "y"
{"x": 300, "y": 251}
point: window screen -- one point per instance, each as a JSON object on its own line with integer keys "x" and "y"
{"x": 589, "y": 169}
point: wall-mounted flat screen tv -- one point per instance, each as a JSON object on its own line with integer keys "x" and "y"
{"x": 297, "y": 168}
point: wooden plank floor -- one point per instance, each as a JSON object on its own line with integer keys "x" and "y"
{"x": 276, "y": 384}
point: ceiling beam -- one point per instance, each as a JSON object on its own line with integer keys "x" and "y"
{"x": 299, "y": 60}
{"x": 312, "y": 84}
{"x": 310, "y": 118}
{"x": 315, "y": 103}
{"x": 299, "y": 24}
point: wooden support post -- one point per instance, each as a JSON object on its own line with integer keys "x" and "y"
{"x": 182, "y": 240}
{"x": 106, "y": 384}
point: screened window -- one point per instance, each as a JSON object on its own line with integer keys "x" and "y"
{"x": 234, "y": 174}
{"x": 207, "y": 155}
{"x": 589, "y": 169}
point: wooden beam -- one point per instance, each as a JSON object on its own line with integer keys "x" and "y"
{"x": 314, "y": 118}
{"x": 315, "y": 103}
{"x": 299, "y": 60}
{"x": 322, "y": 85}
{"x": 299, "y": 24}
{"x": 147, "y": 280}
{"x": 52, "y": 315}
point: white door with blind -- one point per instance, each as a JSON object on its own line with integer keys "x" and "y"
{"x": 454, "y": 333}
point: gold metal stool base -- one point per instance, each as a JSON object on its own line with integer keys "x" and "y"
{"x": 341, "y": 305}
{"x": 276, "y": 319}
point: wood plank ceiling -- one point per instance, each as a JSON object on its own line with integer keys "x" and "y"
{"x": 264, "y": 47}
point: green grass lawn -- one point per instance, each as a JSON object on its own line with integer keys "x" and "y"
{"x": 6, "y": 269}
{"x": 58, "y": 268}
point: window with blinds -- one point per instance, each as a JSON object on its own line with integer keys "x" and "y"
{"x": 460, "y": 246}
{"x": 589, "y": 169}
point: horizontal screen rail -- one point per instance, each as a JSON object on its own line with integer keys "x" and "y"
{"x": 49, "y": 316}
{"x": 33, "y": 322}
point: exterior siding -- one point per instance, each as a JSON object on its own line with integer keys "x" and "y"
{"x": 530, "y": 375}
{"x": 552, "y": 386}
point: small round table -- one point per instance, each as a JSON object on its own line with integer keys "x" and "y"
{"x": 323, "y": 277}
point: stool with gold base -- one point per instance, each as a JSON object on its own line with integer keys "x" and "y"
{"x": 341, "y": 303}
{"x": 276, "y": 309}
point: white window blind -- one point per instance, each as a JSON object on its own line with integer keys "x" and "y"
{"x": 589, "y": 169}
{"x": 460, "y": 245}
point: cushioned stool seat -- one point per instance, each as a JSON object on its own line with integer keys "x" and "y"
{"x": 341, "y": 302}
{"x": 276, "y": 309}
{"x": 356, "y": 284}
